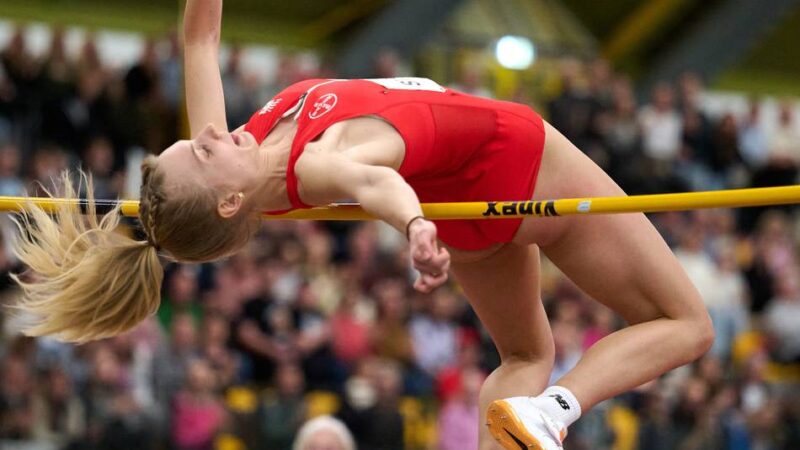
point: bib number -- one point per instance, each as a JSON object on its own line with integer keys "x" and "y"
{"x": 408, "y": 84}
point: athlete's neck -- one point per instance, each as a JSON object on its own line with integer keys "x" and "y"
{"x": 271, "y": 194}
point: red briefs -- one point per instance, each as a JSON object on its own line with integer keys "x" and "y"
{"x": 459, "y": 148}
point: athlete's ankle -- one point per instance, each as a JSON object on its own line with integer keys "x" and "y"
{"x": 560, "y": 404}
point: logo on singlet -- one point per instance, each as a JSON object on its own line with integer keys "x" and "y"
{"x": 270, "y": 106}
{"x": 323, "y": 105}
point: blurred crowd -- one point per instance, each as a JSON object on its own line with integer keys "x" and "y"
{"x": 319, "y": 319}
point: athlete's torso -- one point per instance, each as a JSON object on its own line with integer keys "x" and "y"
{"x": 442, "y": 129}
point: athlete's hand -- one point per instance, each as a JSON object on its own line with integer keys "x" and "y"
{"x": 431, "y": 261}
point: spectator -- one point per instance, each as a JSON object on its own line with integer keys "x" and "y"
{"x": 657, "y": 430}
{"x": 113, "y": 417}
{"x": 459, "y": 415}
{"x": 198, "y": 415}
{"x": 180, "y": 296}
{"x": 698, "y": 264}
{"x": 375, "y": 418}
{"x": 661, "y": 126}
{"x": 282, "y": 413}
{"x": 727, "y": 304}
{"x": 391, "y": 338}
{"x": 602, "y": 322}
{"x": 726, "y": 159}
{"x": 16, "y": 400}
{"x": 98, "y": 157}
{"x": 621, "y": 134}
{"x": 449, "y": 379}
{"x": 239, "y": 96}
{"x": 171, "y": 360}
{"x": 773, "y": 250}
{"x": 783, "y": 315}
{"x": 785, "y": 140}
{"x": 255, "y": 334}
{"x": 388, "y": 64}
{"x": 572, "y": 112}
{"x": 10, "y": 160}
{"x": 324, "y": 433}
{"x": 471, "y": 81}
{"x": 47, "y": 163}
{"x": 170, "y": 77}
{"x": 313, "y": 343}
{"x": 434, "y": 334}
{"x": 782, "y": 160}
{"x": 350, "y": 330}
{"x": 225, "y": 362}
{"x": 566, "y": 337}
{"x": 753, "y": 138}
{"x": 57, "y": 410}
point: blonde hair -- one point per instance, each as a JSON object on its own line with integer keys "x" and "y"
{"x": 88, "y": 281}
{"x": 324, "y": 423}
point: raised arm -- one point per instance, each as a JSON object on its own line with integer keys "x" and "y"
{"x": 205, "y": 101}
{"x": 382, "y": 192}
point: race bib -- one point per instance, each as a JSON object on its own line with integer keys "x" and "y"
{"x": 408, "y": 84}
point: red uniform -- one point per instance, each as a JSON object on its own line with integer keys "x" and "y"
{"x": 458, "y": 147}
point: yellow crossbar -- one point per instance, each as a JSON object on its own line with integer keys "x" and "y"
{"x": 732, "y": 198}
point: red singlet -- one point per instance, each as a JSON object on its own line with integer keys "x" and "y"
{"x": 458, "y": 147}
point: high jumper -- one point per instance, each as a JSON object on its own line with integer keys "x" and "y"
{"x": 388, "y": 144}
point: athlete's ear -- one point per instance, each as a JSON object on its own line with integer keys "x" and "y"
{"x": 230, "y": 204}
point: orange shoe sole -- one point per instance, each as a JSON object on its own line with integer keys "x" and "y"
{"x": 507, "y": 429}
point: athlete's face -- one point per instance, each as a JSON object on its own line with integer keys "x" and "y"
{"x": 218, "y": 159}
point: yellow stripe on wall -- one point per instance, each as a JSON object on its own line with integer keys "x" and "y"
{"x": 641, "y": 25}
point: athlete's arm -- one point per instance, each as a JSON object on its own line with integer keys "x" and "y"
{"x": 205, "y": 101}
{"x": 329, "y": 176}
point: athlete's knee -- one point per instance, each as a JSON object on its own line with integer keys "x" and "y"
{"x": 698, "y": 327}
{"x": 702, "y": 334}
{"x": 695, "y": 335}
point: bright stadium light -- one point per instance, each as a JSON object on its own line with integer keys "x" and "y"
{"x": 515, "y": 52}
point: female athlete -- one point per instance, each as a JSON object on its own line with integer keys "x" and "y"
{"x": 388, "y": 144}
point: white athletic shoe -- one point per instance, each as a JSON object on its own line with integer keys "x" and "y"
{"x": 519, "y": 425}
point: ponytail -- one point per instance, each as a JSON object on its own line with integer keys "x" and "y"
{"x": 86, "y": 280}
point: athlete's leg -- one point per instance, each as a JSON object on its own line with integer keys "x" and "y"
{"x": 503, "y": 289}
{"x": 621, "y": 261}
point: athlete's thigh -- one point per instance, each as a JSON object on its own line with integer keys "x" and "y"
{"x": 503, "y": 289}
{"x": 619, "y": 259}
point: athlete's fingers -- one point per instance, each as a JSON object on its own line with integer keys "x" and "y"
{"x": 438, "y": 280}
{"x": 442, "y": 260}
{"x": 427, "y": 282}
{"x": 437, "y": 264}
{"x": 434, "y": 265}
{"x": 431, "y": 261}
{"x": 420, "y": 285}
{"x": 422, "y": 252}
